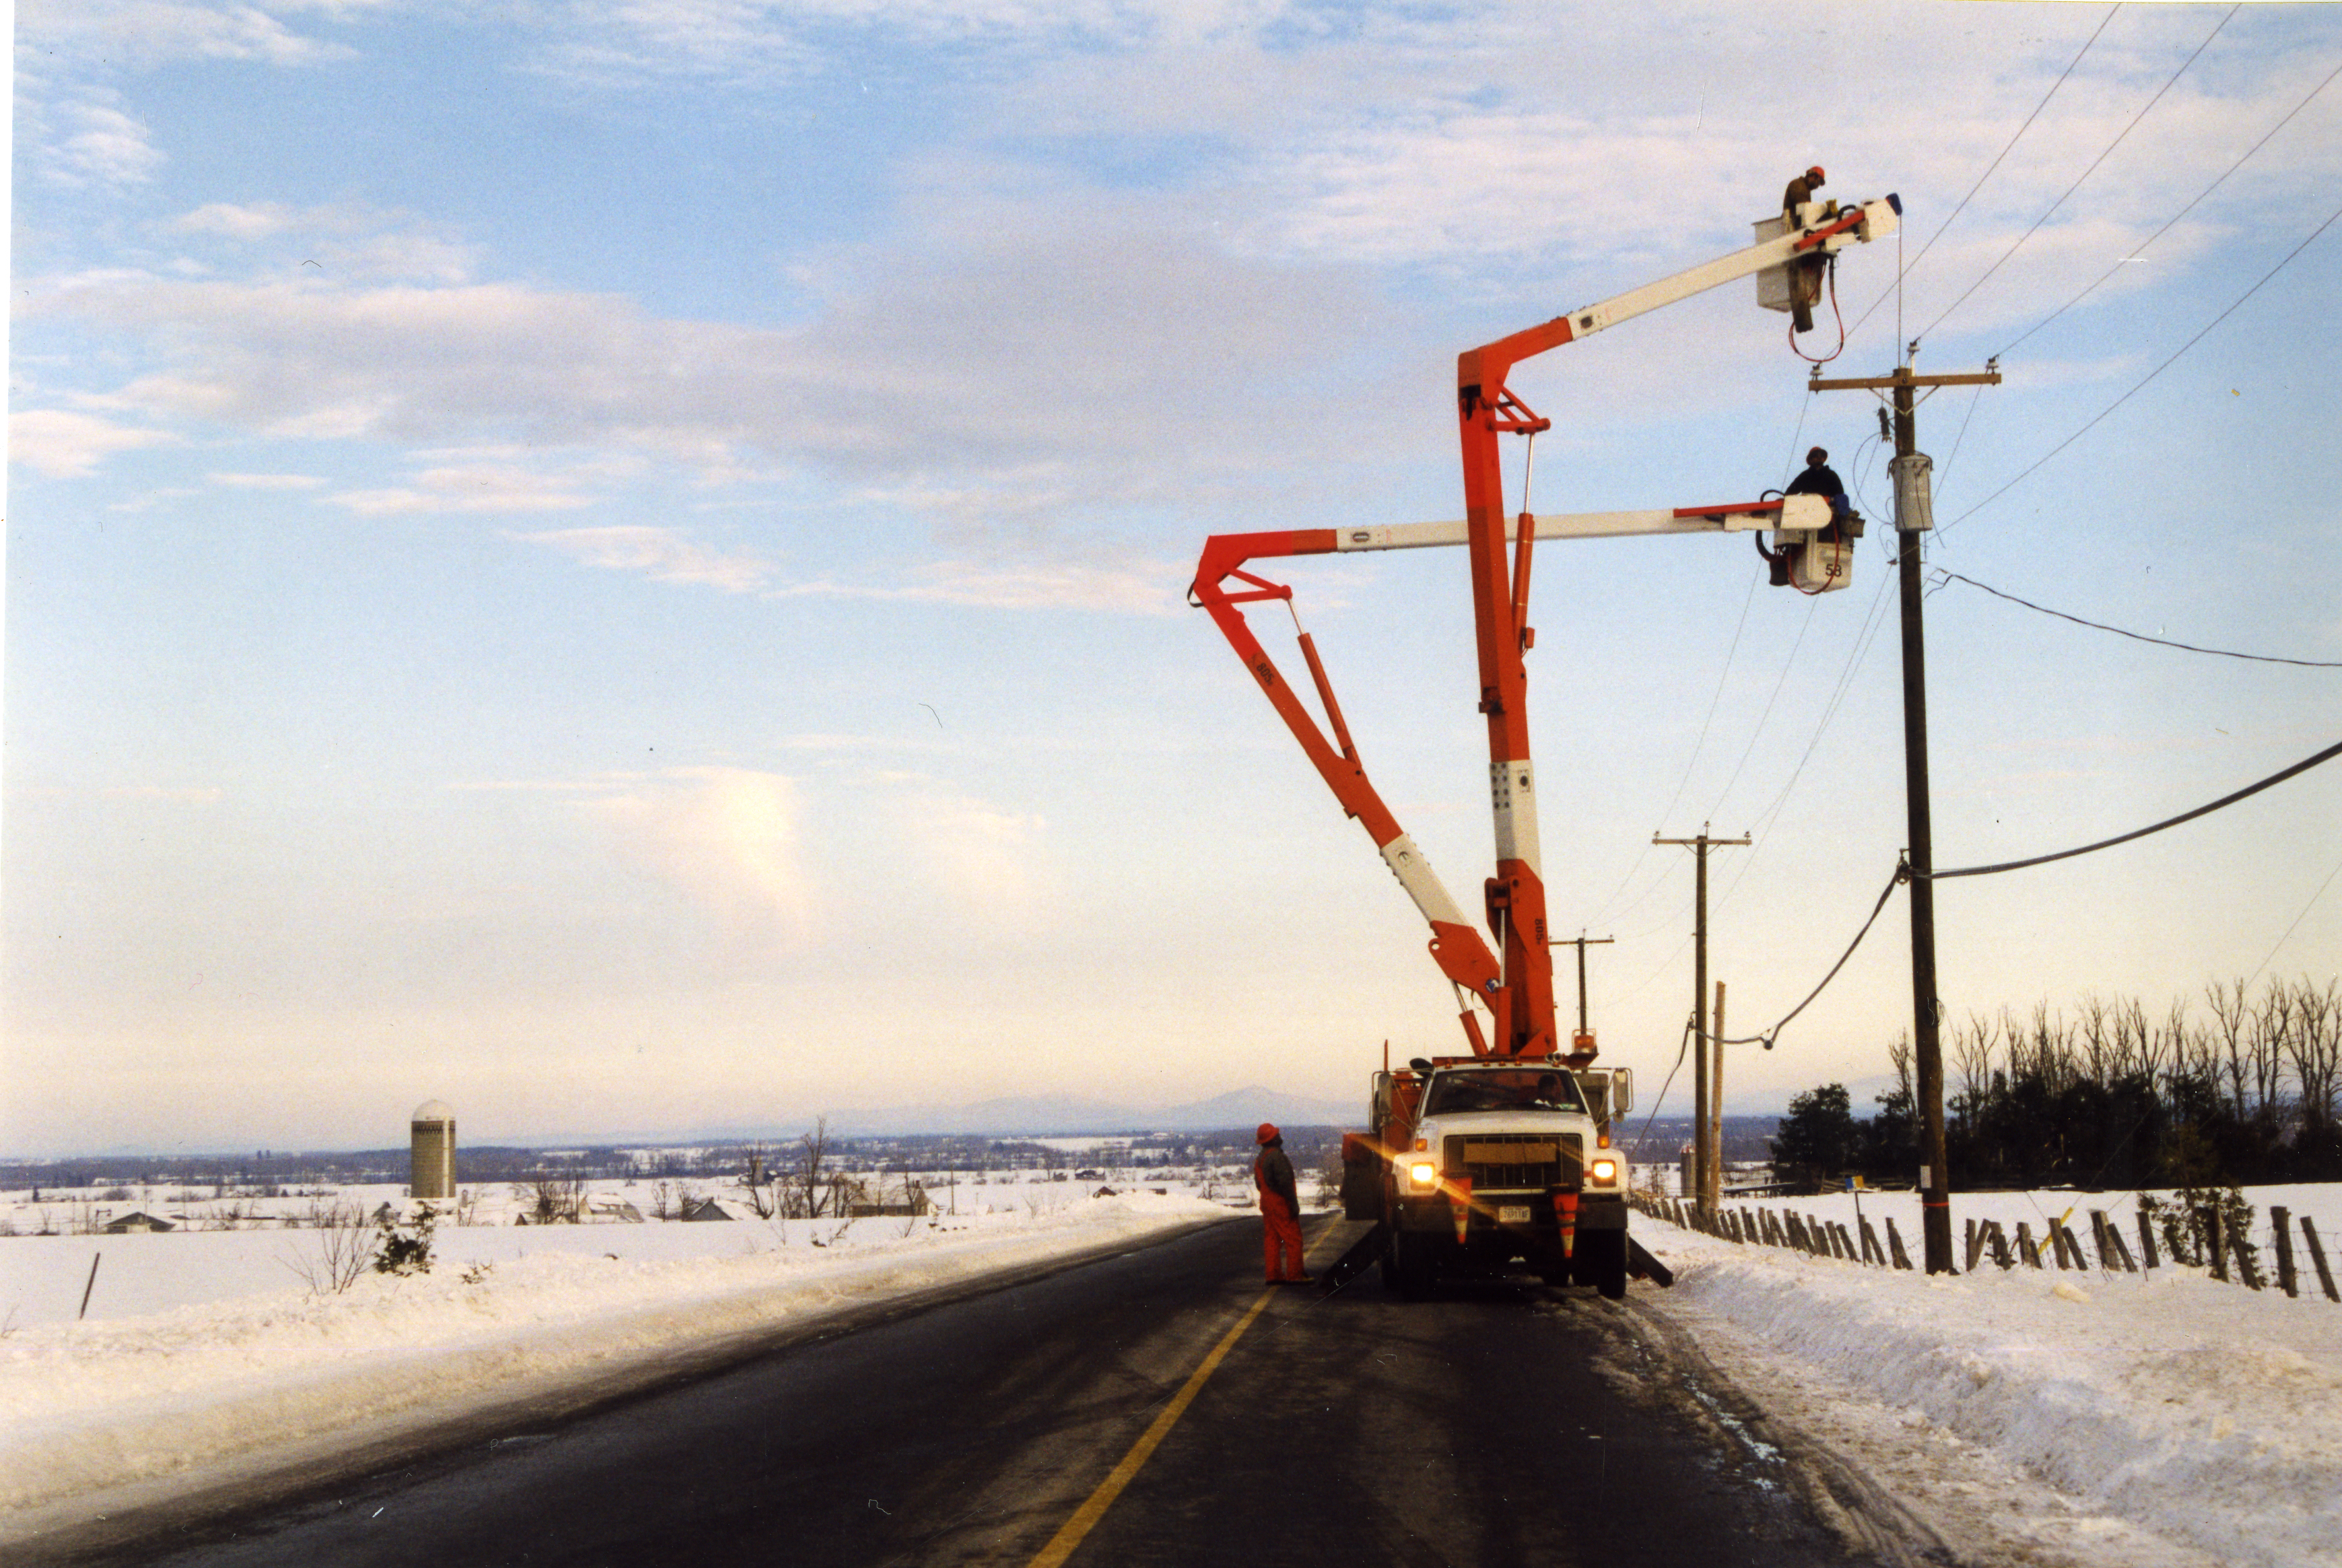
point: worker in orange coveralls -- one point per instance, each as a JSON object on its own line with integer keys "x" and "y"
{"x": 1280, "y": 1209}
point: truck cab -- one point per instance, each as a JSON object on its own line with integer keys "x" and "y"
{"x": 1479, "y": 1166}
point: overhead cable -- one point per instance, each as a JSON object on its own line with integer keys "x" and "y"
{"x": 2085, "y": 175}
{"x": 2150, "y": 376}
{"x": 2138, "y": 636}
{"x": 2175, "y": 217}
{"x": 1765, "y": 1037}
{"x": 1901, "y": 272}
{"x": 2297, "y": 923}
{"x": 2304, "y": 765}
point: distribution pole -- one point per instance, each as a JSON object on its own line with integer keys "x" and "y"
{"x": 1703, "y": 1147}
{"x": 1715, "y": 1103}
{"x": 1911, "y": 520}
{"x": 1581, "y": 942}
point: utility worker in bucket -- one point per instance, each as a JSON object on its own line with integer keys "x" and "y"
{"x": 1280, "y": 1209}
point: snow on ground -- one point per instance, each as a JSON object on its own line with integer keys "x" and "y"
{"x": 246, "y": 1362}
{"x": 2046, "y": 1416}
{"x": 2040, "y": 1418}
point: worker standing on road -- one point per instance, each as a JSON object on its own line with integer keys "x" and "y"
{"x": 1280, "y": 1209}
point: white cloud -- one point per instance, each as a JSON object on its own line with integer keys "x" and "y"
{"x": 339, "y": 242}
{"x": 102, "y": 145}
{"x": 475, "y": 487}
{"x": 237, "y": 221}
{"x": 745, "y": 42}
{"x": 1067, "y": 358}
{"x": 1147, "y": 588}
{"x": 661, "y": 554}
{"x": 266, "y": 481}
{"x": 985, "y": 861}
{"x": 143, "y": 33}
{"x": 728, "y": 837}
{"x": 66, "y": 445}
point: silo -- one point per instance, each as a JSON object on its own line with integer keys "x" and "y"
{"x": 433, "y": 1175}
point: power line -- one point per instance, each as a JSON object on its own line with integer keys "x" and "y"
{"x": 2136, "y": 637}
{"x": 2304, "y": 765}
{"x": 1766, "y": 1037}
{"x": 2150, "y": 376}
{"x": 1762, "y": 719}
{"x": 2182, "y": 212}
{"x": 2296, "y": 922}
{"x": 1902, "y": 272}
{"x": 2085, "y": 175}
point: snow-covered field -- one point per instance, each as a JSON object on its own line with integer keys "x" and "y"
{"x": 214, "y": 1358}
{"x": 2044, "y": 1417}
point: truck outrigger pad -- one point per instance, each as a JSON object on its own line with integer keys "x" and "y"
{"x": 1642, "y": 1265}
{"x": 1362, "y": 1256}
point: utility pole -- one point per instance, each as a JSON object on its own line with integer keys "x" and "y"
{"x": 1913, "y": 517}
{"x": 1716, "y": 1105}
{"x": 1703, "y": 1146}
{"x": 1584, "y": 1040}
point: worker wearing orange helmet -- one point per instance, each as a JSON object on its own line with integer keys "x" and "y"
{"x": 1280, "y": 1209}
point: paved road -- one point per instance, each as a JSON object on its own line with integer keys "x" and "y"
{"x": 1498, "y": 1425}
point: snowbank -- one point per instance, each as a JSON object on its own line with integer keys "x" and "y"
{"x": 88, "y": 1406}
{"x": 2204, "y": 1415}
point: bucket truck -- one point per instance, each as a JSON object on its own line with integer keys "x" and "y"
{"x": 1505, "y": 1155}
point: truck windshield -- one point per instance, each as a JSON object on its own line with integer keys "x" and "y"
{"x": 1503, "y": 1089}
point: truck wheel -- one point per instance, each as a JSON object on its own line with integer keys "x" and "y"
{"x": 1601, "y": 1262}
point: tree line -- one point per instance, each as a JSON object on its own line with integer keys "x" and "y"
{"x": 2239, "y": 1086}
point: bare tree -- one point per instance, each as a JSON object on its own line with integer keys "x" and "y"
{"x": 760, "y": 1197}
{"x": 2231, "y": 1010}
{"x": 337, "y": 1250}
{"x": 2315, "y": 1046}
{"x": 553, "y": 1200}
{"x": 813, "y": 1152}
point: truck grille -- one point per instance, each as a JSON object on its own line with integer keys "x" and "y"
{"x": 1515, "y": 1162}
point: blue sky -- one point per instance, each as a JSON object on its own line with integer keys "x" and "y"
{"x": 622, "y": 566}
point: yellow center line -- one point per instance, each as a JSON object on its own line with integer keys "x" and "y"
{"x": 1069, "y": 1534}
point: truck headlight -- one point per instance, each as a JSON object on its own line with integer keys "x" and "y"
{"x": 1422, "y": 1176}
{"x": 1602, "y": 1173}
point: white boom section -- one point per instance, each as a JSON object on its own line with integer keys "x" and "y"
{"x": 1852, "y": 226}
{"x": 1791, "y": 513}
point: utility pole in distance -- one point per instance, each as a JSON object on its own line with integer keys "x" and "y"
{"x": 1913, "y": 517}
{"x": 1584, "y": 1040}
{"x": 1703, "y": 1142}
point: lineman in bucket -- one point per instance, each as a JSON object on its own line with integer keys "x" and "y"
{"x": 1280, "y": 1209}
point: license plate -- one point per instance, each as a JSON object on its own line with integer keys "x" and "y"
{"x": 1513, "y": 1214}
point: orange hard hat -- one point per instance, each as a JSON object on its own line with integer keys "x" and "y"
{"x": 1815, "y": 175}
{"x": 1267, "y": 1131}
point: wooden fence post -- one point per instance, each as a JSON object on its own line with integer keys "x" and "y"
{"x": 1870, "y": 1247}
{"x": 2098, "y": 1240}
{"x": 2027, "y": 1251}
{"x": 1894, "y": 1240}
{"x": 1976, "y": 1244}
{"x": 2286, "y": 1281}
{"x": 2247, "y": 1269}
{"x": 2216, "y": 1242}
{"x": 2122, "y": 1248}
{"x": 1999, "y": 1239}
{"x": 2146, "y": 1241}
{"x": 2318, "y": 1256}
